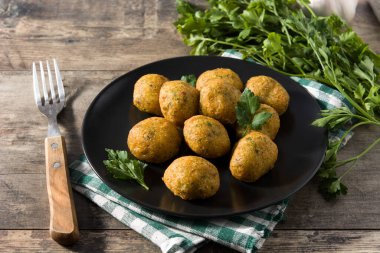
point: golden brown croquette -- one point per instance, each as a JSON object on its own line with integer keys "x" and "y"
{"x": 270, "y": 92}
{"x": 255, "y": 154}
{"x": 154, "y": 140}
{"x": 192, "y": 177}
{"x": 146, "y": 93}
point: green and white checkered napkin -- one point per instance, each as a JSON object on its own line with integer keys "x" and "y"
{"x": 245, "y": 233}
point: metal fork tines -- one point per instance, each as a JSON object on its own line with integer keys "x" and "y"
{"x": 51, "y": 102}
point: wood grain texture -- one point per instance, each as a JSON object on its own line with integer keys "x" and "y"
{"x": 128, "y": 241}
{"x": 90, "y": 241}
{"x": 87, "y": 35}
{"x": 95, "y": 42}
{"x": 23, "y": 128}
{"x": 323, "y": 241}
{"x": 63, "y": 217}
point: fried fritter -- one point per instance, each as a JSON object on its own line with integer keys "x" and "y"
{"x": 154, "y": 140}
{"x": 146, "y": 93}
{"x": 192, "y": 177}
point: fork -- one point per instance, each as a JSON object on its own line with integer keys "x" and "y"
{"x": 63, "y": 220}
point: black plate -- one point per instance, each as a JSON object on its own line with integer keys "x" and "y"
{"x": 301, "y": 146}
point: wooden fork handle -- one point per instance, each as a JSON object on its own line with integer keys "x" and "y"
{"x": 63, "y": 219}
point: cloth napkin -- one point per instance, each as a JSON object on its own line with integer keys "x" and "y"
{"x": 245, "y": 233}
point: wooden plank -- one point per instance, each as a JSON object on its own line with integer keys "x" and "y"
{"x": 90, "y": 241}
{"x": 87, "y": 35}
{"x": 121, "y": 240}
{"x": 139, "y": 14}
{"x": 112, "y": 35}
{"x": 323, "y": 241}
{"x": 26, "y": 205}
{"x": 90, "y": 55}
{"x": 23, "y": 128}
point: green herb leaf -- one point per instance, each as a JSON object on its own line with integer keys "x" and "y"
{"x": 330, "y": 155}
{"x": 272, "y": 48}
{"x": 332, "y": 188}
{"x": 359, "y": 92}
{"x": 260, "y": 119}
{"x": 246, "y": 109}
{"x": 191, "y": 79}
{"x": 244, "y": 34}
{"x": 334, "y": 118}
{"x": 122, "y": 166}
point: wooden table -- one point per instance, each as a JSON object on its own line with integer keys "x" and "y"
{"x": 94, "y": 42}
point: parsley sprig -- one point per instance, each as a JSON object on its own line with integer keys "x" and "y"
{"x": 246, "y": 109}
{"x": 122, "y": 166}
{"x": 278, "y": 34}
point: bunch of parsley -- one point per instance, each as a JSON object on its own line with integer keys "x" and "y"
{"x": 287, "y": 36}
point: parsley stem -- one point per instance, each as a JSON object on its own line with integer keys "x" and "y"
{"x": 306, "y": 6}
{"x": 142, "y": 183}
{"x": 352, "y": 128}
{"x": 234, "y": 45}
{"x": 343, "y": 162}
{"x": 283, "y": 26}
{"x": 296, "y": 65}
{"x": 312, "y": 45}
{"x": 348, "y": 170}
{"x": 226, "y": 43}
{"x": 365, "y": 119}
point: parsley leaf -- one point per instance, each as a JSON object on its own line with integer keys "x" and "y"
{"x": 332, "y": 187}
{"x": 246, "y": 109}
{"x": 191, "y": 79}
{"x": 122, "y": 166}
{"x": 259, "y": 120}
{"x": 334, "y": 118}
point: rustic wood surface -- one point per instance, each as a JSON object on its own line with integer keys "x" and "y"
{"x": 94, "y": 42}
